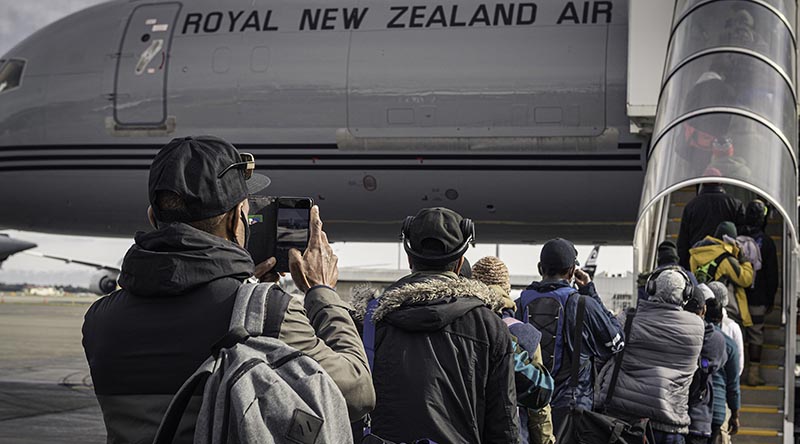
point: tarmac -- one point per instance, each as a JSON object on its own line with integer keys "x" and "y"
{"x": 46, "y": 391}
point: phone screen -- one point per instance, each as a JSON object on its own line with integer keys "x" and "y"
{"x": 278, "y": 224}
{"x": 262, "y": 227}
{"x": 292, "y": 228}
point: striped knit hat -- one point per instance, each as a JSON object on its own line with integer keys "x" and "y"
{"x": 492, "y": 271}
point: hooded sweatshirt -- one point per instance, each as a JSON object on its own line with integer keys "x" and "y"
{"x": 179, "y": 286}
{"x": 738, "y": 273}
{"x": 443, "y": 367}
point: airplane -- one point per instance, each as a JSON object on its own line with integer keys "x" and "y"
{"x": 590, "y": 266}
{"x": 512, "y": 113}
{"x": 10, "y": 246}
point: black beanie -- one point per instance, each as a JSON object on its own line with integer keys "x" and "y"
{"x": 725, "y": 229}
{"x": 755, "y": 215}
{"x": 667, "y": 253}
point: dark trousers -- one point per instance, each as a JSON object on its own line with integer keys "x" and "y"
{"x": 716, "y": 433}
{"x": 668, "y": 438}
{"x": 697, "y": 439}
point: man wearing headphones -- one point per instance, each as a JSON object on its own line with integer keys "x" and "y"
{"x": 442, "y": 359}
{"x": 661, "y": 355}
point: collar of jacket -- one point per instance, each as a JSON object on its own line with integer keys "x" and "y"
{"x": 178, "y": 257}
{"x": 712, "y": 244}
{"x": 548, "y": 285}
{"x": 421, "y": 287}
{"x": 712, "y": 188}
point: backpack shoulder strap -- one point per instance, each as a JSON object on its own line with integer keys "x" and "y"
{"x": 259, "y": 309}
{"x": 177, "y": 407}
{"x": 577, "y": 338}
{"x": 369, "y": 332}
{"x": 618, "y": 358}
{"x": 277, "y": 304}
{"x": 717, "y": 262}
{"x": 248, "y": 310}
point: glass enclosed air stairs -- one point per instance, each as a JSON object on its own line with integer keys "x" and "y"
{"x": 727, "y": 113}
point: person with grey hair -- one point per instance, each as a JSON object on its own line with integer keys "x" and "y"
{"x": 728, "y": 326}
{"x": 662, "y": 350}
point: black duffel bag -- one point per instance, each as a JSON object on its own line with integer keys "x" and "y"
{"x": 581, "y": 426}
{"x": 587, "y": 427}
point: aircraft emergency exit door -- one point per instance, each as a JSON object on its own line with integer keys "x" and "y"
{"x": 140, "y": 89}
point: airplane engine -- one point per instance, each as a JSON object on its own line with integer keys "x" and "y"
{"x": 103, "y": 282}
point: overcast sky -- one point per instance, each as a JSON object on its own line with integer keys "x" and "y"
{"x": 18, "y": 19}
{"x": 21, "y": 18}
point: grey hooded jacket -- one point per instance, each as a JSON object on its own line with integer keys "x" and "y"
{"x": 661, "y": 356}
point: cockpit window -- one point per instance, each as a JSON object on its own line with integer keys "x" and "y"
{"x": 11, "y": 74}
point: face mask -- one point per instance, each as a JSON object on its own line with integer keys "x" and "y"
{"x": 246, "y": 223}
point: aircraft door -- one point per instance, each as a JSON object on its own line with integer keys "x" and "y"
{"x": 140, "y": 87}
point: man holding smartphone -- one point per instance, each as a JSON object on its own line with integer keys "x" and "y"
{"x": 179, "y": 283}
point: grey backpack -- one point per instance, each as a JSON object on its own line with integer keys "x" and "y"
{"x": 257, "y": 388}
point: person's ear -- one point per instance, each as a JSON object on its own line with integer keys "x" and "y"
{"x": 410, "y": 264}
{"x": 459, "y": 265}
{"x": 571, "y": 273}
{"x": 151, "y": 217}
{"x": 232, "y": 222}
{"x": 539, "y": 266}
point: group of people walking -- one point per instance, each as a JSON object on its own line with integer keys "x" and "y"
{"x": 443, "y": 355}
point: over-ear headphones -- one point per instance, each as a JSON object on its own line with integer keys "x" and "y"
{"x": 650, "y": 286}
{"x": 467, "y": 228}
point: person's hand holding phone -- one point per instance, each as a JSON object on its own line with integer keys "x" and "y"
{"x": 317, "y": 265}
{"x": 265, "y": 271}
{"x": 582, "y": 278}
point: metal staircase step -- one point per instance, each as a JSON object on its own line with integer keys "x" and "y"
{"x": 773, "y": 354}
{"x": 761, "y": 416}
{"x": 755, "y": 435}
{"x": 772, "y": 374}
{"x": 762, "y": 395}
{"x": 774, "y": 334}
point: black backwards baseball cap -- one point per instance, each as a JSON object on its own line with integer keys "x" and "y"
{"x": 558, "y": 254}
{"x": 208, "y": 173}
{"x": 437, "y": 236}
{"x": 697, "y": 302}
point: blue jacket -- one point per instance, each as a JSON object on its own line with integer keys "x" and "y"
{"x": 726, "y": 382}
{"x": 602, "y": 337}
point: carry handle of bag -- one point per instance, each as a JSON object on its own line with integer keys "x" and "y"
{"x": 618, "y": 358}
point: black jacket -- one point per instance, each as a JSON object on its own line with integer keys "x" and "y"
{"x": 713, "y": 354}
{"x": 443, "y": 363}
{"x": 179, "y": 285}
{"x": 767, "y": 278}
{"x": 703, "y": 214}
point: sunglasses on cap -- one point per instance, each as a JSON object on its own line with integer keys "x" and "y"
{"x": 247, "y": 165}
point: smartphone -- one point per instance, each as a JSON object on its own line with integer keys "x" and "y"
{"x": 278, "y": 224}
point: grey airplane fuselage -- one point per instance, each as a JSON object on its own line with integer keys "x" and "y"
{"x": 511, "y": 113}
